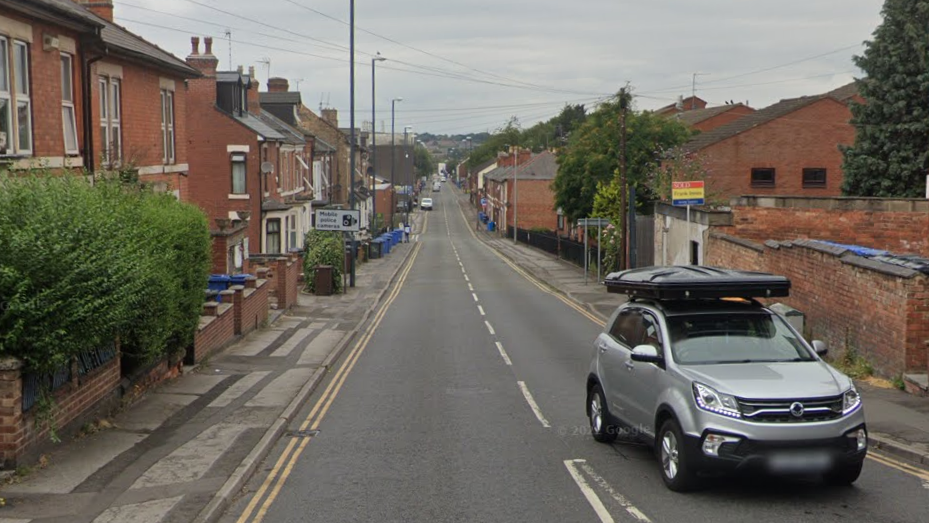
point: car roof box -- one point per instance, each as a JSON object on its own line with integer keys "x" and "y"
{"x": 696, "y": 282}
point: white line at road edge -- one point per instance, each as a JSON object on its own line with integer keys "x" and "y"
{"x": 490, "y": 328}
{"x": 588, "y": 492}
{"x": 619, "y": 498}
{"x": 481, "y": 309}
{"x": 534, "y": 406}
{"x": 506, "y": 359}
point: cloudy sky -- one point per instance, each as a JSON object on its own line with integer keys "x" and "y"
{"x": 469, "y": 65}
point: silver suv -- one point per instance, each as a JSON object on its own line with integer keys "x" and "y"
{"x": 720, "y": 384}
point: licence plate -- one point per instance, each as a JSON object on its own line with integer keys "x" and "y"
{"x": 800, "y": 462}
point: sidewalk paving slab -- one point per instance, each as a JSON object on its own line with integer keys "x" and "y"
{"x": 898, "y": 423}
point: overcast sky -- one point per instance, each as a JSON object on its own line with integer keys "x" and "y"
{"x": 468, "y": 65}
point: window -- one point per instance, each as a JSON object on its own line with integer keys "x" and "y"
{"x": 15, "y": 102}
{"x": 238, "y": 174}
{"x": 652, "y": 332}
{"x": 560, "y": 222}
{"x": 814, "y": 177}
{"x": 627, "y": 329}
{"x": 167, "y": 126}
{"x": 110, "y": 121}
{"x": 273, "y": 236}
{"x": 727, "y": 338}
{"x": 694, "y": 253}
{"x": 292, "y": 231}
{"x": 69, "y": 121}
{"x": 763, "y": 177}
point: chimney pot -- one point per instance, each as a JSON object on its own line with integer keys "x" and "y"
{"x": 278, "y": 85}
{"x": 194, "y": 45}
{"x": 251, "y": 71}
{"x": 208, "y": 42}
{"x": 240, "y": 70}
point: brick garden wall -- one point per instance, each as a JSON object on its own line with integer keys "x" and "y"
{"x": 216, "y": 330}
{"x": 879, "y": 310}
{"x": 251, "y": 305}
{"x": 80, "y": 398}
{"x": 899, "y": 225}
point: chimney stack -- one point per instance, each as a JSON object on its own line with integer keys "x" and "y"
{"x": 331, "y": 116}
{"x": 101, "y": 8}
{"x": 206, "y": 63}
{"x": 254, "y": 104}
{"x": 278, "y": 85}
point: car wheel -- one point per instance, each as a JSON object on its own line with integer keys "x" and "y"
{"x": 844, "y": 475}
{"x": 600, "y": 427}
{"x": 675, "y": 469}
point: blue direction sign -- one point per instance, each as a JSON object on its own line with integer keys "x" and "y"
{"x": 695, "y": 201}
{"x": 483, "y": 201}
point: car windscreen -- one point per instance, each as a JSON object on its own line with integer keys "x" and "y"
{"x": 733, "y": 338}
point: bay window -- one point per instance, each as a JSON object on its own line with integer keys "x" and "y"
{"x": 15, "y": 101}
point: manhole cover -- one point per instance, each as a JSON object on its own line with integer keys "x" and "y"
{"x": 303, "y": 433}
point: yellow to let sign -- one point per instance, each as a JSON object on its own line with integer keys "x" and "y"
{"x": 687, "y": 192}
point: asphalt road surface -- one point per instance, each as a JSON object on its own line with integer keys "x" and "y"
{"x": 466, "y": 403}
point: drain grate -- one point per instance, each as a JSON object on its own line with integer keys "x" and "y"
{"x": 303, "y": 433}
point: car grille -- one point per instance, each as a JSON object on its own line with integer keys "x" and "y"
{"x": 785, "y": 411}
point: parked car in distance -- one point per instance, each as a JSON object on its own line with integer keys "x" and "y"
{"x": 436, "y": 187}
{"x": 714, "y": 381}
{"x": 426, "y": 204}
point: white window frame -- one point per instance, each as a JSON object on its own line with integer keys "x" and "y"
{"x": 238, "y": 159}
{"x": 110, "y": 98}
{"x": 16, "y": 97}
{"x": 68, "y": 111}
{"x": 169, "y": 154}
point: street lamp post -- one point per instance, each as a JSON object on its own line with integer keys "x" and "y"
{"x": 393, "y": 161}
{"x": 351, "y": 151}
{"x": 374, "y": 60}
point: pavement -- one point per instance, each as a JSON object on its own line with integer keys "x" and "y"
{"x": 184, "y": 451}
{"x": 898, "y": 422}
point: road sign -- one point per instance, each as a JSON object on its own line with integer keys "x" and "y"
{"x": 336, "y": 220}
{"x": 593, "y": 222}
{"x": 483, "y": 201}
{"x": 687, "y": 193}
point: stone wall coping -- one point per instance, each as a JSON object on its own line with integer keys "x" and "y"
{"x": 701, "y": 215}
{"x": 757, "y": 247}
{"x": 841, "y": 203}
{"x": 10, "y": 363}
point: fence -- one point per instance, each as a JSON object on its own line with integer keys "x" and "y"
{"x": 568, "y": 250}
{"x": 644, "y": 241}
{"x": 86, "y": 362}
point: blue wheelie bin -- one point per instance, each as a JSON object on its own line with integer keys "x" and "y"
{"x": 219, "y": 282}
{"x": 491, "y": 226}
{"x": 238, "y": 279}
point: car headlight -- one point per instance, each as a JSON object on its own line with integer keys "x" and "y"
{"x": 851, "y": 400}
{"x": 711, "y": 400}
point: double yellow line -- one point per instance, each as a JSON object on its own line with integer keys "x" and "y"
{"x": 887, "y": 461}
{"x": 529, "y": 277}
{"x": 282, "y": 469}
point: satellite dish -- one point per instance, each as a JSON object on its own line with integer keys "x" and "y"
{"x": 267, "y": 167}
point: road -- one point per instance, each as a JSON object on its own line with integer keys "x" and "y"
{"x": 464, "y": 402}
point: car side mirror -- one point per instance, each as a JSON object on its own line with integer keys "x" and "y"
{"x": 646, "y": 354}
{"x": 820, "y": 347}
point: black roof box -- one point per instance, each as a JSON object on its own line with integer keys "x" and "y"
{"x": 696, "y": 282}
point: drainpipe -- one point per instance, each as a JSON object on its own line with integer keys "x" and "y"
{"x": 86, "y": 101}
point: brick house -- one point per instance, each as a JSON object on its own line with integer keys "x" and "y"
{"x": 789, "y": 148}
{"x": 710, "y": 118}
{"x": 326, "y": 128}
{"x": 249, "y": 166}
{"x": 89, "y": 94}
{"x": 535, "y": 201}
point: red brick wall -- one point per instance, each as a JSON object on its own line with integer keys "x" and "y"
{"x": 210, "y": 131}
{"x": 251, "y": 306}
{"x": 283, "y": 274}
{"x": 882, "y": 316}
{"x": 808, "y": 137}
{"x": 901, "y": 226}
{"x": 81, "y": 396}
{"x": 535, "y": 205}
{"x": 215, "y": 334}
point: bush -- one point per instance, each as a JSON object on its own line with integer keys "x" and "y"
{"x": 81, "y": 265}
{"x": 323, "y": 248}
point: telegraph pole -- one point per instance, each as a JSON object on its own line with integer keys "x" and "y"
{"x": 623, "y": 98}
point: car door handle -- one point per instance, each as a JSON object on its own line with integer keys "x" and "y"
{"x": 603, "y": 347}
{"x": 629, "y": 365}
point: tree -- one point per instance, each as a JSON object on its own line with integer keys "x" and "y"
{"x": 423, "y": 162}
{"x": 890, "y": 156}
{"x": 591, "y": 157}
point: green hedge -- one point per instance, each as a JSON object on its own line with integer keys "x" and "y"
{"x": 81, "y": 265}
{"x": 323, "y": 248}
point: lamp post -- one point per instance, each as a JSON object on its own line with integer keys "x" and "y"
{"x": 393, "y": 161}
{"x": 409, "y": 176}
{"x": 374, "y": 60}
{"x": 351, "y": 151}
